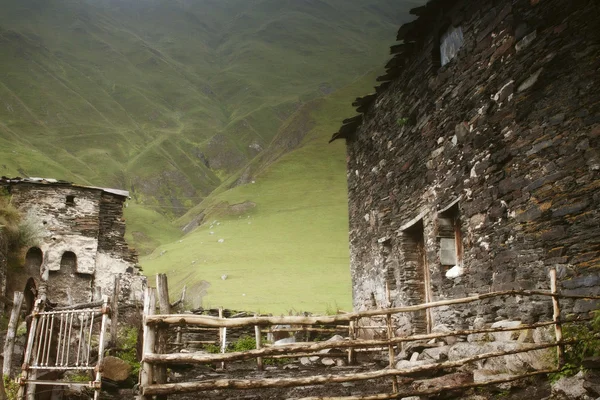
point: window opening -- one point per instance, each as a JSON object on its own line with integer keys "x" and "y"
{"x": 451, "y": 251}
{"x": 450, "y": 42}
{"x": 34, "y": 258}
{"x": 68, "y": 262}
{"x": 70, "y": 200}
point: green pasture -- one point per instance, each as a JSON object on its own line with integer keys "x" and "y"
{"x": 289, "y": 252}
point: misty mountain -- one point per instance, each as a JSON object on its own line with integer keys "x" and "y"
{"x": 170, "y": 98}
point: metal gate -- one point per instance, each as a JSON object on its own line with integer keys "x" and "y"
{"x": 65, "y": 340}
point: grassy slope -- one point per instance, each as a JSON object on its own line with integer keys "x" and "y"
{"x": 291, "y": 250}
{"x": 169, "y": 99}
{"x": 120, "y": 91}
{"x": 142, "y": 95}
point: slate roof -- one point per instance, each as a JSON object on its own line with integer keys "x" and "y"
{"x": 57, "y": 182}
{"x": 408, "y": 34}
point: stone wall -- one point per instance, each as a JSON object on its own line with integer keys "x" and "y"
{"x": 68, "y": 218}
{"x": 82, "y": 246}
{"x": 114, "y": 255}
{"x": 502, "y": 141}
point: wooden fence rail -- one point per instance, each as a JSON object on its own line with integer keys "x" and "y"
{"x": 208, "y": 321}
{"x": 188, "y": 387}
{"x": 202, "y": 358}
{"x": 349, "y": 322}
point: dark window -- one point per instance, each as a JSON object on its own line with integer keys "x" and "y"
{"x": 450, "y": 42}
{"x": 70, "y": 200}
{"x": 68, "y": 262}
{"x": 34, "y": 258}
{"x": 450, "y": 236}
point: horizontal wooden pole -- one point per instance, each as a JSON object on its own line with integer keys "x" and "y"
{"x": 95, "y": 304}
{"x": 194, "y": 342}
{"x": 190, "y": 387}
{"x": 203, "y": 320}
{"x": 289, "y": 344}
{"x": 371, "y": 327}
{"x": 299, "y": 355}
{"x": 385, "y": 396}
{"x": 198, "y": 329}
{"x": 323, "y": 330}
{"x": 200, "y": 358}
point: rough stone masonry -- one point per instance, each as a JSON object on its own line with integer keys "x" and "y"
{"x": 81, "y": 241}
{"x": 475, "y": 167}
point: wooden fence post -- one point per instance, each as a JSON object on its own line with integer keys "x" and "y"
{"x": 146, "y": 370}
{"x": 26, "y": 373}
{"x": 259, "y": 360}
{"x": 162, "y": 289}
{"x": 2, "y": 390}
{"x": 222, "y": 337}
{"x": 181, "y": 307}
{"x": 390, "y": 336}
{"x": 114, "y": 312}
{"x": 352, "y": 336}
{"x": 98, "y": 380}
{"x": 13, "y": 323}
{"x": 560, "y": 350}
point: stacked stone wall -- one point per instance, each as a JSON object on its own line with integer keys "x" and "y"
{"x": 67, "y": 220}
{"x": 114, "y": 255}
{"x": 112, "y": 229}
{"x": 82, "y": 221}
{"x": 511, "y": 129}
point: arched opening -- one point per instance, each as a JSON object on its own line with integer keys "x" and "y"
{"x": 68, "y": 262}
{"x": 34, "y": 258}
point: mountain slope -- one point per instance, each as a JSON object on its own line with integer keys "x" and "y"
{"x": 185, "y": 103}
{"x": 281, "y": 240}
{"x": 169, "y": 98}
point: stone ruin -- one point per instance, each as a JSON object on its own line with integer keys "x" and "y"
{"x": 81, "y": 246}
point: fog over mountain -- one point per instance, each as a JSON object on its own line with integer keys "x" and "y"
{"x": 181, "y": 101}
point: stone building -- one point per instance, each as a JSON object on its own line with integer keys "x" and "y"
{"x": 81, "y": 245}
{"x": 475, "y": 166}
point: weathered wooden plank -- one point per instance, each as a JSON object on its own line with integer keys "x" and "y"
{"x": 13, "y": 323}
{"x": 436, "y": 390}
{"x": 147, "y": 370}
{"x": 205, "y": 320}
{"x": 162, "y": 290}
{"x": 190, "y": 387}
{"x": 201, "y": 358}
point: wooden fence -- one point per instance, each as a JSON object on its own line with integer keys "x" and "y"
{"x": 155, "y": 358}
{"x": 69, "y": 338}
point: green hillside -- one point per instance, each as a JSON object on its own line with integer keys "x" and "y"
{"x": 285, "y": 245}
{"x": 186, "y": 103}
{"x": 168, "y": 98}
